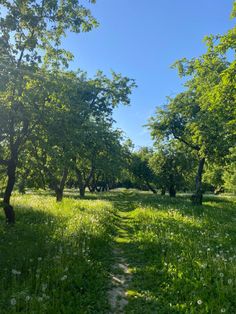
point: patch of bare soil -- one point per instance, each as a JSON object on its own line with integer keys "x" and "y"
{"x": 120, "y": 279}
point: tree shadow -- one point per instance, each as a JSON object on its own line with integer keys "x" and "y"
{"x": 37, "y": 252}
{"x": 169, "y": 272}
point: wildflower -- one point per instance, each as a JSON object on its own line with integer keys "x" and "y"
{"x": 230, "y": 281}
{"x": 15, "y": 272}
{"x": 222, "y": 310}
{"x": 39, "y": 259}
{"x": 27, "y": 298}
{"x": 221, "y": 275}
{"x": 13, "y": 301}
{"x": 199, "y": 302}
{"x": 63, "y": 277}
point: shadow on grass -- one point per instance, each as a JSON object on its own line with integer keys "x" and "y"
{"x": 36, "y": 252}
{"x": 171, "y": 265}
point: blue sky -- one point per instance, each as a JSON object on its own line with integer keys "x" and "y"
{"x": 141, "y": 39}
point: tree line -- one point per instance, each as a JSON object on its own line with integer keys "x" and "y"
{"x": 57, "y": 128}
{"x": 54, "y": 123}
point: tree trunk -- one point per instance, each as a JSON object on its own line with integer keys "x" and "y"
{"x": 59, "y": 195}
{"x": 172, "y": 191}
{"x": 91, "y": 188}
{"x": 11, "y": 179}
{"x": 197, "y": 197}
{"x": 151, "y": 188}
{"x": 60, "y": 189}
{"x": 82, "y": 191}
{"x": 163, "y": 191}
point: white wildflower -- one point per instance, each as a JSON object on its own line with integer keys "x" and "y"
{"x": 15, "y": 272}
{"x": 63, "y": 277}
{"x": 13, "y": 301}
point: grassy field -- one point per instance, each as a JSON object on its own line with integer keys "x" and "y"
{"x": 58, "y": 257}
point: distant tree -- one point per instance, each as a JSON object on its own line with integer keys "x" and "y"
{"x": 172, "y": 164}
{"x": 140, "y": 169}
{"x": 229, "y": 175}
{"x": 213, "y": 177}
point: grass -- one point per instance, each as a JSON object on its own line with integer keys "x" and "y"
{"x": 57, "y": 258}
{"x": 183, "y": 259}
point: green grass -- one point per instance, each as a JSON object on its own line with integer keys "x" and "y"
{"x": 182, "y": 260}
{"x": 57, "y": 257}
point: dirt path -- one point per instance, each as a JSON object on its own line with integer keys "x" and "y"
{"x": 121, "y": 275}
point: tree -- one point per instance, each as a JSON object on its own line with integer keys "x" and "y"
{"x": 172, "y": 164}
{"x": 229, "y": 175}
{"x": 213, "y": 177}
{"x": 30, "y": 33}
{"x": 202, "y": 117}
{"x": 141, "y": 170}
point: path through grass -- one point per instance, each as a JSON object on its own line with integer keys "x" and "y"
{"x": 181, "y": 260}
{"x": 152, "y": 254}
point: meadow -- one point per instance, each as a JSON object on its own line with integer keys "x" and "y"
{"x": 59, "y": 256}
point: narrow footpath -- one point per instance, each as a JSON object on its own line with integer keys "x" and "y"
{"x": 121, "y": 274}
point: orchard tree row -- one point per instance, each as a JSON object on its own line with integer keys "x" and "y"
{"x": 55, "y": 125}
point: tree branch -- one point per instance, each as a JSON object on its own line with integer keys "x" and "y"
{"x": 196, "y": 147}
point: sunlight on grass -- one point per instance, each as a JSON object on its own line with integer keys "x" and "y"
{"x": 183, "y": 262}
{"x": 57, "y": 257}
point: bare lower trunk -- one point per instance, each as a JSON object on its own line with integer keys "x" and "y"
{"x": 82, "y": 191}
{"x": 11, "y": 179}
{"x": 172, "y": 191}
{"x": 197, "y": 197}
{"x": 163, "y": 191}
{"x": 151, "y": 188}
{"x": 59, "y": 195}
{"x": 60, "y": 190}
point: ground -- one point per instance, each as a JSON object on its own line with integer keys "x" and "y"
{"x": 119, "y": 252}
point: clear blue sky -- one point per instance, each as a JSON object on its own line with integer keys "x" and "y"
{"x": 141, "y": 39}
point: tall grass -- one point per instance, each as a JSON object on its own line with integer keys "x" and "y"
{"x": 56, "y": 259}
{"x": 182, "y": 261}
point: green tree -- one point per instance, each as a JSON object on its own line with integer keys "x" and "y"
{"x": 30, "y": 33}
{"x": 213, "y": 177}
{"x": 140, "y": 169}
{"x": 229, "y": 175}
{"x": 203, "y": 117}
{"x": 172, "y": 165}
